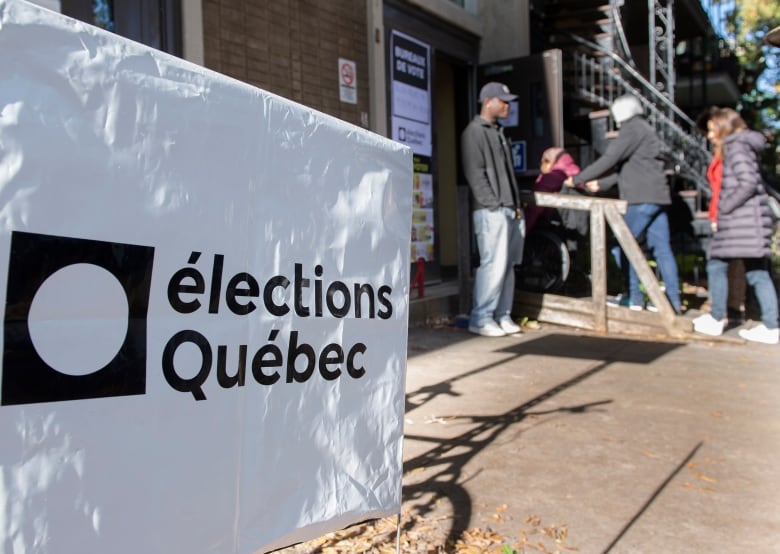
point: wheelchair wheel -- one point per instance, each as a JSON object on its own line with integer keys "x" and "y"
{"x": 546, "y": 262}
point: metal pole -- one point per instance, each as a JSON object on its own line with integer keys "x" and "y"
{"x": 651, "y": 39}
{"x": 670, "y": 72}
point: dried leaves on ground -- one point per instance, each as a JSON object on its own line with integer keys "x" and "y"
{"x": 429, "y": 535}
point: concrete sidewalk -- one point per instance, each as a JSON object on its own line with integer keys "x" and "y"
{"x": 607, "y": 444}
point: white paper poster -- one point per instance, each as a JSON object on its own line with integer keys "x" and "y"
{"x": 411, "y": 93}
{"x": 422, "y": 218}
{"x": 205, "y": 304}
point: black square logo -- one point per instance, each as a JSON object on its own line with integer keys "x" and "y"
{"x": 75, "y": 319}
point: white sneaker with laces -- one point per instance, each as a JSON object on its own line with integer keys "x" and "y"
{"x": 760, "y": 333}
{"x": 489, "y": 329}
{"x": 508, "y": 326}
{"x": 708, "y": 325}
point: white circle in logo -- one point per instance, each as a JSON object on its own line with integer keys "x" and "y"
{"x": 78, "y": 319}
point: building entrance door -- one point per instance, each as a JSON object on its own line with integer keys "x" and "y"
{"x": 430, "y": 73}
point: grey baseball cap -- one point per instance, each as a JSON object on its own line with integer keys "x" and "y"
{"x": 496, "y": 90}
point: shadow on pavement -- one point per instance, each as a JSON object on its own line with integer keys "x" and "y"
{"x": 653, "y": 496}
{"x": 447, "y": 457}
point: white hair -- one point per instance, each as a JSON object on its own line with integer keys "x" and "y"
{"x": 625, "y": 107}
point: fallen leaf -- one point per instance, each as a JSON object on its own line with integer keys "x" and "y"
{"x": 533, "y": 520}
{"x": 692, "y": 487}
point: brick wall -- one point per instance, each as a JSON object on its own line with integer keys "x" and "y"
{"x": 291, "y": 48}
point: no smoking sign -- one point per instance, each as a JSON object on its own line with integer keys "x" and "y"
{"x": 347, "y": 81}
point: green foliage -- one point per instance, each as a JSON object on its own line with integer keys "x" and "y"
{"x": 759, "y": 72}
{"x": 749, "y": 23}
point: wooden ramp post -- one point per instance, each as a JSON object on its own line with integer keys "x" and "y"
{"x": 598, "y": 267}
{"x": 593, "y": 314}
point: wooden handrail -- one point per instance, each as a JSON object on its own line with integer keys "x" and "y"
{"x": 605, "y": 211}
{"x": 550, "y": 200}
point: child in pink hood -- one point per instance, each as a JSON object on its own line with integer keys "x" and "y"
{"x": 555, "y": 167}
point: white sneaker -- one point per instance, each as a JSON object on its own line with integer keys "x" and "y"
{"x": 760, "y": 333}
{"x": 708, "y": 325}
{"x": 619, "y": 300}
{"x": 489, "y": 329}
{"x": 508, "y": 326}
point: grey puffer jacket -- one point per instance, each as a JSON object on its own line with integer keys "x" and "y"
{"x": 744, "y": 219}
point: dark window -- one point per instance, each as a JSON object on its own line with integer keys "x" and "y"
{"x": 156, "y": 23}
{"x": 103, "y": 14}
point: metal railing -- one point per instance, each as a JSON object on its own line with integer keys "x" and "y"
{"x": 599, "y": 82}
{"x": 617, "y": 22}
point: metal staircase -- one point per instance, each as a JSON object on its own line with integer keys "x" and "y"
{"x": 599, "y": 84}
{"x": 597, "y": 68}
{"x": 601, "y": 68}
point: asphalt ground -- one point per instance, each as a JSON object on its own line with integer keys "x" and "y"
{"x": 558, "y": 440}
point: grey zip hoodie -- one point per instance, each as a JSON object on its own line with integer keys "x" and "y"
{"x": 635, "y": 154}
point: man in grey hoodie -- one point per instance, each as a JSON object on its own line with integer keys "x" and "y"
{"x": 636, "y": 155}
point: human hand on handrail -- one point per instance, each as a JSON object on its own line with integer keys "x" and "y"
{"x": 593, "y": 186}
{"x": 590, "y": 186}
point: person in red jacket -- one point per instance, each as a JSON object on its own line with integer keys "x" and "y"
{"x": 736, "y": 270}
{"x": 715, "y": 177}
{"x": 744, "y": 229}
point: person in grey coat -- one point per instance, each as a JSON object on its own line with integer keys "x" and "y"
{"x": 744, "y": 229}
{"x": 497, "y": 217}
{"x": 633, "y": 161}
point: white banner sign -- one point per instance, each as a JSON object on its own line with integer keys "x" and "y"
{"x": 205, "y": 304}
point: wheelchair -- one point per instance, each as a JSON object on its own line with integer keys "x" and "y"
{"x": 551, "y": 260}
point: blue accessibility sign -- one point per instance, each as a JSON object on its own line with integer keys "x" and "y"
{"x": 518, "y": 155}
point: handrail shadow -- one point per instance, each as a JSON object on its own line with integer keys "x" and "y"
{"x": 652, "y": 497}
{"x": 448, "y": 457}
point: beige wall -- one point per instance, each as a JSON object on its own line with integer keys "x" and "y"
{"x": 375, "y": 33}
{"x": 192, "y": 31}
{"x": 501, "y": 24}
{"x": 505, "y": 27}
{"x": 451, "y": 13}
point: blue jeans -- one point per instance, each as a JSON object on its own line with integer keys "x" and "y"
{"x": 500, "y": 239}
{"x": 652, "y": 221}
{"x": 757, "y": 276}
